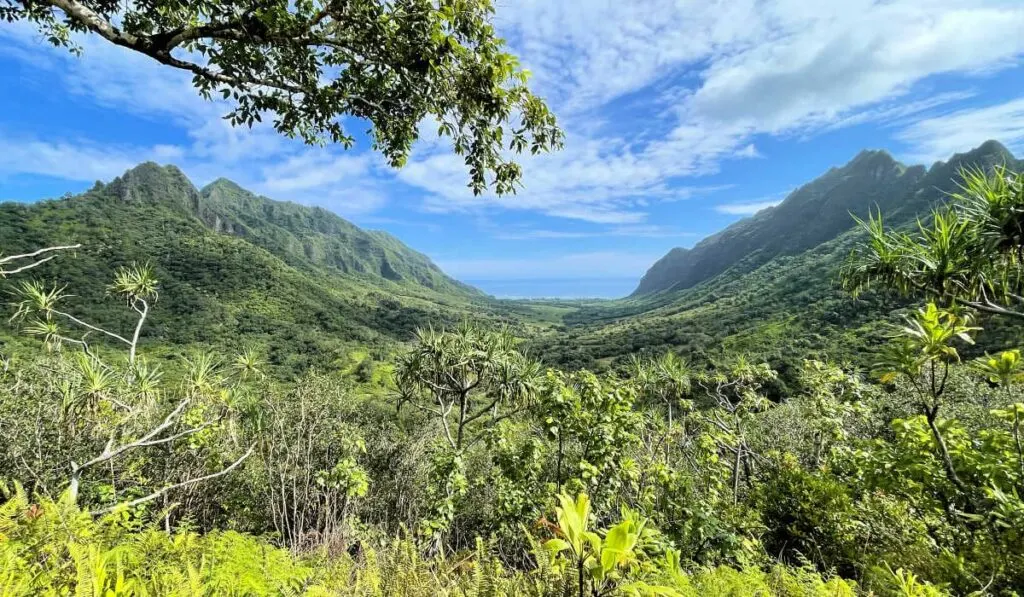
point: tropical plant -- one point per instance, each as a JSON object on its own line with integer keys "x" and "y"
{"x": 969, "y": 252}
{"x": 464, "y": 376}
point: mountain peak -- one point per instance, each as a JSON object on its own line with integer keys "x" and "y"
{"x": 988, "y": 154}
{"x": 150, "y": 182}
{"x": 814, "y": 213}
{"x": 817, "y": 212}
{"x": 222, "y": 185}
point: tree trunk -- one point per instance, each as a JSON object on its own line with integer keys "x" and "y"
{"x": 736, "y": 475}
{"x": 947, "y": 461}
{"x": 558, "y": 466}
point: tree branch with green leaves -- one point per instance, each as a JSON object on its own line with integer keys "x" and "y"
{"x": 310, "y": 65}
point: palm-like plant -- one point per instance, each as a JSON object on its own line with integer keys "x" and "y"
{"x": 969, "y": 252}
{"x": 248, "y": 364}
{"x": 922, "y": 352}
{"x": 667, "y": 379}
{"x": 203, "y": 374}
{"x": 136, "y": 284}
{"x": 98, "y": 380}
{"x": 1004, "y": 369}
{"x": 145, "y": 379}
{"x": 463, "y": 376}
{"x": 36, "y": 299}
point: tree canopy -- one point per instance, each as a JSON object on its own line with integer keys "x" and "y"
{"x": 310, "y": 64}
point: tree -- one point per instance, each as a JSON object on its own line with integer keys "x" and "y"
{"x": 667, "y": 379}
{"x": 309, "y": 64}
{"x": 137, "y": 285}
{"x": 922, "y": 354}
{"x": 464, "y": 376}
{"x": 970, "y": 252}
{"x": 134, "y": 424}
{"x": 735, "y": 394}
{"x": 594, "y": 423}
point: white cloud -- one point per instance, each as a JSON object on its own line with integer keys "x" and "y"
{"x": 750, "y": 151}
{"x": 830, "y": 59}
{"x": 745, "y": 209}
{"x": 734, "y": 69}
{"x": 598, "y": 264}
{"x": 258, "y": 158}
{"x": 699, "y": 80}
{"x": 938, "y": 137}
{"x": 640, "y": 231}
{"x": 79, "y": 160}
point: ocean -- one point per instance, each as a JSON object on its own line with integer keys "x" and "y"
{"x": 605, "y": 288}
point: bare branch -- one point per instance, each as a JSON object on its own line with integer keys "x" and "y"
{"x": 10, "y": 259}
{"x": 92, "y": 327}
{"x": 146, "y": 440}
{"x": 160, "y": 492}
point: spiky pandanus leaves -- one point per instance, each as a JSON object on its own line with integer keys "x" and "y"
{"x": 970, "y": 251}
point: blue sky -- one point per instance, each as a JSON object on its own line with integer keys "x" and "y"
{"x": 681, "y": 117}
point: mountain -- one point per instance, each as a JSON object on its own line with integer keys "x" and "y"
{"x": 766, "y": 288}
{"x": 816, "y": 212}
{"x": 301, "y": 236}
{"x": 236, "y": 268}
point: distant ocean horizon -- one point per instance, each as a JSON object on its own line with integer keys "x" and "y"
{"x": 578, "y": 288}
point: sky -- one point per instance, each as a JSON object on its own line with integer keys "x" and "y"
{"x": 681, "y": 117}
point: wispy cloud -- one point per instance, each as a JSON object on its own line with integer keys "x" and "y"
{"x": 699, "y": 81}
{"x": 733, "y": 70}
{"x": 937, "y": 137}
{"x": 641, "y": 231}
{"x": 745, "y": 209}
{"x": 76, "y": 159}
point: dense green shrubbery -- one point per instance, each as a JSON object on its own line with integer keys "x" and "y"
{"x": 52, "y": 548}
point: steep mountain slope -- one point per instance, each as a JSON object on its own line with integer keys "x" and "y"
{"x": 815, "y": 213}
{"x": 301, "y": 236}
{"x": 236, "y": 268}
{"x": 783, "y": 308}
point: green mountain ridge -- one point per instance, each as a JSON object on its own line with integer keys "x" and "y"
{"x": 298, "y": 234}
{"x": 766, "y": 296}
{"x": 815, "y": 213}
{"x": 238, "y": 269}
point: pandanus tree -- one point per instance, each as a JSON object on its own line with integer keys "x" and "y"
{"x": 665, "y": 380}
{"x": 968, "y": 252}
{"x": 137, "y": 419}
{"x": 468, "y": 379}
{"x": 40, "y": 308}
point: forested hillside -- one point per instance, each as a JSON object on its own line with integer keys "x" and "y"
{"x": 467, "y": 467}
{"x": 767, "y": 286}
{"x": 238, "y": 269}
{"x": 818, "y": 212}
{"x": 205, "y": 392}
